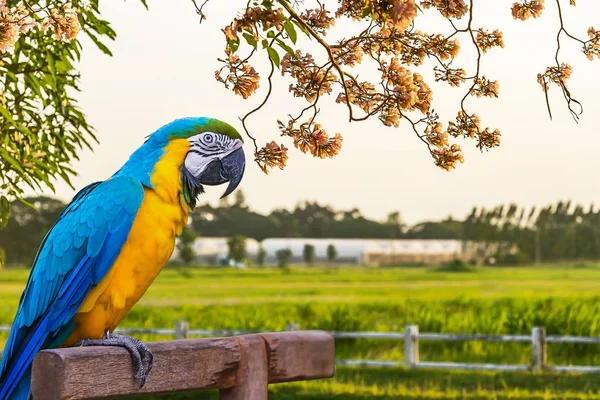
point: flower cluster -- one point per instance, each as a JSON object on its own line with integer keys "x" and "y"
{"x": 13, "y": 22}
{"x": 454, "y": 76}
{"x": 351, "y": 54}
{"x": 410, "y": 46}
{"x": 403, "y": 90}
{"x": 352, "y": 9}
{"x": 398, "y": 14}
{"x": 310, "y": 137}
{"x": 435, "y": 135}
{"x": 20, "y": 20}
{"x": 470, "y": 126}
{"x": 486, "y": 40}
{"x": 483, "y": 87}
{"x": 448, "y": 8}
{"x": 555, "y": 74}
{"x": 64, "y": 22}
{"x": 441, "y": 46}
{"x": 488, "y": 139}
{"x": 408, "y": 90}
{"x": 465, "y": 125}
{"x": 242, "y": 76}
{"x": 270, "y": 156}
{"x": 592, "y": 47}
{"x": 448, "y": 157}
{"x": 311, "y": 80}
{"x": 361, "y": 94}
{"x": 318, "y": 19}
{"x": 526, "y": 9}
{"x": 253, "y": 16}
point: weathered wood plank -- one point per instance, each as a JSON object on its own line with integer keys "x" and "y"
{"x": 241, "y": 367}
{"x": 300, "y": 355}
{"x": 94, "y": 372}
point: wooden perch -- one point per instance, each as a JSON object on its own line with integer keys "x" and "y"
{"x": 241, "y": 367}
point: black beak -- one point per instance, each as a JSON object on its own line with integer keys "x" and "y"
{"x": 229, "y": 169}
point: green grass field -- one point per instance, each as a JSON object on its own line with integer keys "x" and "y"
{"x": 565, "y": 299}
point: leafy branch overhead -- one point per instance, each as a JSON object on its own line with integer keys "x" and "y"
{"x": 42, "y": 128}
{"x": 386, "y": 33}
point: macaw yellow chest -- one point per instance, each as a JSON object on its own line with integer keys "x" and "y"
{"x": 148, "y": 247}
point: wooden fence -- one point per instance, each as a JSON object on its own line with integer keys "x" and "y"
{"x": 241, "y": 367}
{"x": 411, "y": 337}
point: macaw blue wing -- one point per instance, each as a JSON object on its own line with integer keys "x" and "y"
{"x": 73, "y": 257}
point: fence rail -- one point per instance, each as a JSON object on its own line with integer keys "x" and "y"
{"x": 241, "y": 367}
{"x": 411, "y": 337}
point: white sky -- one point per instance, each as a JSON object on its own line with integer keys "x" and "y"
{"x": 163, "y": 68}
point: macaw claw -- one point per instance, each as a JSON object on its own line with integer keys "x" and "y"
{"x": 140, "y": 353}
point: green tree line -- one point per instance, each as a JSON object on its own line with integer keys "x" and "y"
{"x": 561, "y": 232}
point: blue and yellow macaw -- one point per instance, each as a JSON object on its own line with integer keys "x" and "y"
{"x": 110, "y": 243}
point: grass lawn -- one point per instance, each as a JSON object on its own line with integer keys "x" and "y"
{"x": 563, "y": 298}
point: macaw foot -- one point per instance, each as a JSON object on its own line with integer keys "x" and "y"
{"x": 140, "y": 353}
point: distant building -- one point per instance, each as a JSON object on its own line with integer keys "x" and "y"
{"x": 417, "y": 251}
{"x": 368, "y": 251}
{"x": 214, "y": 250}
{"x": 349, "y": 251}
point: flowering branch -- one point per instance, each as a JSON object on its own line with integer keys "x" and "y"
{"x": 392, "y": 41}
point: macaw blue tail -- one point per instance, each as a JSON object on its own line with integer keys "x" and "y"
{"x": 21, "y": 390}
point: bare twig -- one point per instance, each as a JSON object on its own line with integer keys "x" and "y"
{"x": 563, "y": 86}
{"x": 199, "y": 10}
{"x": 261, "y": 105}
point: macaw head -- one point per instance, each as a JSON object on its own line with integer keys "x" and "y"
{"x": 213, "y": 155}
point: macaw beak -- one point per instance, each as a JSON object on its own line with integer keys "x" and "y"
{"x": 228, "y": 169}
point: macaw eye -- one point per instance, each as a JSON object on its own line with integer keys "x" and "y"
{"x": 208, "y": 138}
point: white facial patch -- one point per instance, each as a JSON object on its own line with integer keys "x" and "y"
{"x": 206, "y": 147}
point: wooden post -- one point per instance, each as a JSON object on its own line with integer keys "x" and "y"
{"x": 181, "y": 330}
{"x": 411, "y": 345}
{"x": 538, "y": 348}
{"x": 252, "y": 378}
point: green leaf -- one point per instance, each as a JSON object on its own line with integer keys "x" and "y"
{"x": 233, "y": 45}
{"x": 4, "y": 211}
{"x": 99, "y": 44}
{"x": 291, "y": 31}
{"x": 268, "y": 4}
{"x": 11, "y": 160}
{"x": 8, "y": 116}
{"x": 250, "y": 39}
{"x": 52, "y": 65}
{"x": 274, "y": 56}
{"x": 285, "y": 47}
{"x": 33, "y": 83}
{"x": 28, "y": 204}
{"x": 303, "y": 29}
